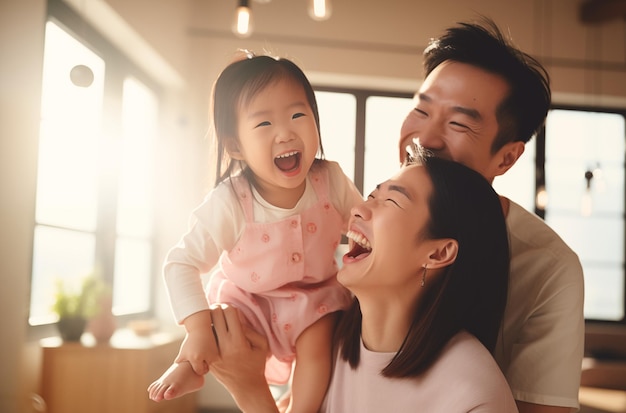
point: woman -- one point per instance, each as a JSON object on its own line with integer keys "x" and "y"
{"x": 428, "y": 266}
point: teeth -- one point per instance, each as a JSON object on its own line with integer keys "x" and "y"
{"x": 288, "y": 154}
{"x": 359, "y": 239}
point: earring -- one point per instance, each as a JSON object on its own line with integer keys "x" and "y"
{"x": 424, "y": 275}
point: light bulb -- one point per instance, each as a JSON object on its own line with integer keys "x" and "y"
{"x": 319, "y": 9}
{"x": 242, "y": 26}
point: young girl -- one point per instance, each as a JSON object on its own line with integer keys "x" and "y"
{"x": 269, "y": 230}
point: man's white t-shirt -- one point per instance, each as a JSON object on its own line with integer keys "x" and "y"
{"x": 541, "y": 345}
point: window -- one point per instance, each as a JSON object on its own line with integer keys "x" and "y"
{"x": 360, "y": 129}
{"x": 584, "y": 170}
{"x": 95, "y": 176}
{"x": 133, "y": 243}
{"x": 383, "y": 117}
{"x": 577, "y": 164}
{"x": 66, "y": 210}
{"x": 337, "y": 127}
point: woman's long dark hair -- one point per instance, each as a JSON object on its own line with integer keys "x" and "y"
{"x": 470, "y": 294}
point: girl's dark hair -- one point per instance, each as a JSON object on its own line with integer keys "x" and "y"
{"x": 470, "y": 294}
{"x": 522, "y": 113}
{"x": 237, "y": 85}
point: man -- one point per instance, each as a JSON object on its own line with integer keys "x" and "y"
{"x": 481, "y": 101}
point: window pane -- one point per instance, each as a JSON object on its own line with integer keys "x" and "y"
{"x": 139, "y": 117}
{"x": 608, "y": 243}
{"x": 133, "y": 259}
{"x": 131, "y": 292}
{"x": 604, "y": 292}
{"x": 585, "y": 185}
{"x": 69, "y": 135}
{"x": 338, "y": 128}
{"x": 67, "y": 170}
{"x": 383, "y": 120}
{"x": 57, "y": 254}
{"x": 91, "y": 184}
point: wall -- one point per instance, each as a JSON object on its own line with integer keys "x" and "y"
{"x": 379, "y": 40}
{"x": 21, "y": 54}
{"x": 184, "y": 44}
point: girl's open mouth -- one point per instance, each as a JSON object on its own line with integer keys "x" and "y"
{"x": 288, "y": 162}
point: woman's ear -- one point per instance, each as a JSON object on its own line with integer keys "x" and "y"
{"x": 232, "y": 148}
{"x": 444, "y": 253}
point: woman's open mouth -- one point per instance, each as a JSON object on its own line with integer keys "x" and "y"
{"x": 288, "y": 162}
{"x": 360, "y": 246}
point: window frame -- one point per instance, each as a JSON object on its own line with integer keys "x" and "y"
{"x": 118, "y": 68}
{"x": 540, "y": 183}
{"x": 361, "y": 96}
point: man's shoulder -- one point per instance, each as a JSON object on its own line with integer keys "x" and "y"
{"x": 527, "y": 228}
{"x": 535, "y": 244}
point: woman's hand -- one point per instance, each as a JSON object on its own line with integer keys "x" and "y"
{"x": 240, "y": 366}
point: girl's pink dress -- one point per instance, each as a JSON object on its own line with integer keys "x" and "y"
{"x": 281, "y": 275}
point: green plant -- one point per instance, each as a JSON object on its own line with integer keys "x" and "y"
{"x": 79, "y": 303}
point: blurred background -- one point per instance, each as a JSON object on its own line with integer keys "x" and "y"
{"x": 104, "y": 144}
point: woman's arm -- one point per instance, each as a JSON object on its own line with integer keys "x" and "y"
{"x": 240, "y": 366}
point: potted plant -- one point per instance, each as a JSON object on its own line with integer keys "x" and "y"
{"x": 75, "y": 307}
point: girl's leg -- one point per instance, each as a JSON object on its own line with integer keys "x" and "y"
{"x": 312, "y": 370}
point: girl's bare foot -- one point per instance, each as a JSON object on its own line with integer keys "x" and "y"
{"x": 177, "y": 381}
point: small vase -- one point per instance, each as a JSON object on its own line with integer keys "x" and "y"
{"x": 103, "y": 325}
{"x": 71, "y": 328}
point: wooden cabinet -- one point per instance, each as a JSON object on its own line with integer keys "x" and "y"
{"x": 109, "y": 378}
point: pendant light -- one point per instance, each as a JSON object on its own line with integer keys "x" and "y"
{"x": 319, "y": 10}
{"x": 242, "y": 25}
